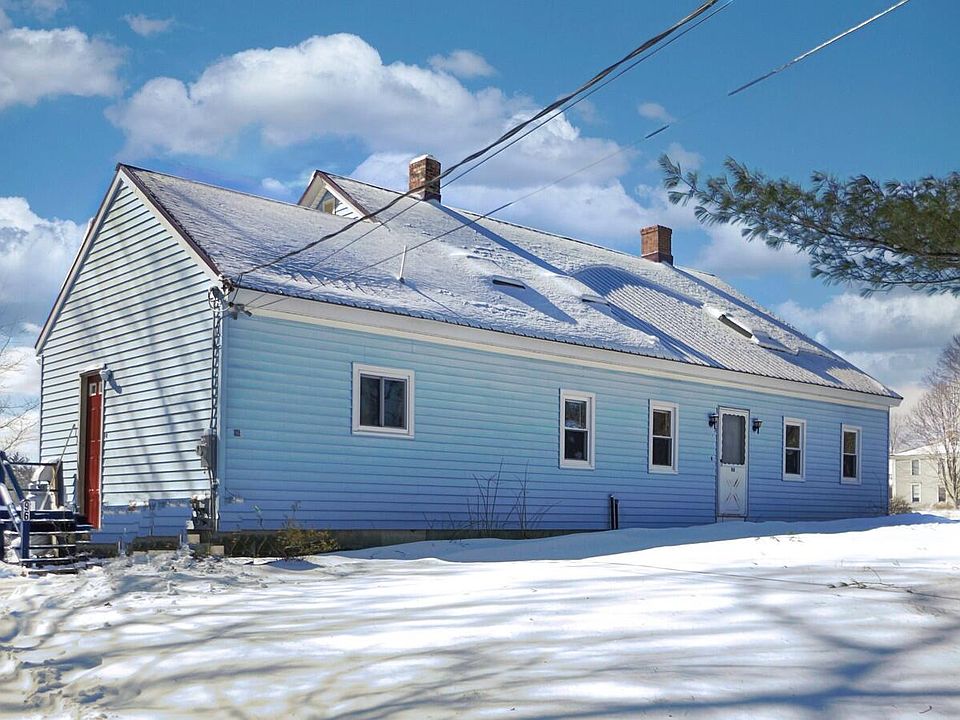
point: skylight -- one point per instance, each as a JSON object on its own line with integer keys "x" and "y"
{"x": 726, "y": 320}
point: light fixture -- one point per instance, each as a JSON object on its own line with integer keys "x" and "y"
{"x": 757, "y": 423}
{"x": 713, "y": 418}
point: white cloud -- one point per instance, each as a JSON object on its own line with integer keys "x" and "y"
{"x": 35, "y": 64}
{"x": 728, "y": 254}
{"x": 462, "y": 63}
{"x": 688, "y": 159}
{"x": 42, "y": 9}
{"x": 654, "y": 111}
{"x": 895, "y": 337}
{"x": 146, "y": 26}
{"x": 338, "y": 86}
{"x": 35, "y": 255}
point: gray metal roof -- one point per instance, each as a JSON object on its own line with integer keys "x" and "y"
{"x": 646, "y": 308}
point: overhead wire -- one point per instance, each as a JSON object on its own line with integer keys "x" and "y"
{"x": 622, "y": 149}
{"x": 514, "y": 130}
{"x": 558, "y": 113}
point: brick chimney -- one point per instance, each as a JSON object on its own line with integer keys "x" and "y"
{"x": 425, "y": 170}
{"x": 655, "y": 244}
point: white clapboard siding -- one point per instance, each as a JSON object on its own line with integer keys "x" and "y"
{"x": 138, "y": 306}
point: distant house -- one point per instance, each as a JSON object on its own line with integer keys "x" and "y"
{"x": 915, "y": 477}
{"x": 428, "y": 370}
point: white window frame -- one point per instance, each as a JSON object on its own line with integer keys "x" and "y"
{"x": 591, "y": 400}
{"x": 674, "y": 411}
{"x": 859, "y": 431}
{"x": 915, "y": 464}
{"x": 793, "y": 477}
{"x": 390, "y": 374}
{"x": 919, "y": 488}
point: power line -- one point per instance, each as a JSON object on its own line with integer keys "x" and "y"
{"x": 536, "y": 127}
{"x": 599, "y": 77}
{"x": 622, "y": 149}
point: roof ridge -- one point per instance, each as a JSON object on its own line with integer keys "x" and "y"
{"x": 135, "y": 168}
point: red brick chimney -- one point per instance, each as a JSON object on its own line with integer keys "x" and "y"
{"x": 424, "y": 171}
{"x": 655, "y": 244}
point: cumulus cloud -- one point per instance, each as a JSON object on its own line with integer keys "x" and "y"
{"x": 462, "y": 63}
{"x": 338, "y": 86}
{"x": 35, "y": 255}
{"x": 728, "y": 254}
{"x": 895, "y": 337}
{"x": 654, "y": 111}
{"x": 37, "y": 64}
{"x": 687, "y": 159}
{"x": 146, "y": 26}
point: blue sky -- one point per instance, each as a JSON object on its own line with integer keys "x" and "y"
{"x": 255, "y": 95}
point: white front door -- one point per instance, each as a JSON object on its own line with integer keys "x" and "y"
{"x": 732, "y": 463}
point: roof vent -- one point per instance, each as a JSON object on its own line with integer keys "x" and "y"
{"x": 425, "y": 177}
{"x": 656, "y": 245}
{"x": 594, "y": 299}
{"x": 721, "y": 317}
{"x": 507, "y": 282}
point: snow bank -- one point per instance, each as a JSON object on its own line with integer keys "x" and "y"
{"x": 820, "y": 620}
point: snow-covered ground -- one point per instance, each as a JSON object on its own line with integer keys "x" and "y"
{"x": 852, "y": 619}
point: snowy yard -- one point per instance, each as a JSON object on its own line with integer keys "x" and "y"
{"x": 845, "y": 619}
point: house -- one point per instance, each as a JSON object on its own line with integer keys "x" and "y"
{"x": 428, "y": 370}
{"x": 915, "y": 477}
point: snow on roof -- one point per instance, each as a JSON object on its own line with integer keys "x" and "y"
{"x": 922, "y": 451}
{"x": 654, "y": 309}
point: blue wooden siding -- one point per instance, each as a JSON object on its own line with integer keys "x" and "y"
{"x": 139, "y": 307}
{"x": 288, "y": 449}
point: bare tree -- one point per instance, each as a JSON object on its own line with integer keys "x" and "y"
{"x": 16, "y": 414}
{"x": 901, "y": 434}
{"x": 936, "y": 418}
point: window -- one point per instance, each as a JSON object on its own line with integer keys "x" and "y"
{"x": 663, "y": 437}
{"x": 914, "y": 467}
{"x": 850, "y": 454}
{"x": 382, "y": 401}
{"x": 941, "y": 493}
{"x": 577, "y": 440}
{"x": 794, "y": 448}
{"x": 915, "y": 493}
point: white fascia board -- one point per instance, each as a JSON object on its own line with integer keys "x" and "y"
{"x": 120, "y": 179}
{"x": 78, "y": 259}
{"x": 396, "y": 325}
{"x": 161, "y": 215}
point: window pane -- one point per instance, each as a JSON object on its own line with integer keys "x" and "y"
{"x": 663, "y": 452}
{"x": 661, "y": 423}
{"x": 394, "y": 403}
{"x": 733, "y": 439}
{"x": 575, "y": 445}
{"x": 575, "y": 414}
{"x": 793, "y": 436}
{"x": 850, "y": 466}
{"x": 369, "y": 401}
{"x": 850, "y": 442}
{"x": 914, "y": 467}
{"x": 941, "y": 494}
{"x": 914, "y": 493}
{"x": 792, "y": 462}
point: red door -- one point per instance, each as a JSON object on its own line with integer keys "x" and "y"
{"x": 93, "y": 388}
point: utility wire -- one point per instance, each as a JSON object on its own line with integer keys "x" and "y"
{"x": 536, "y": 127}
{"x": 599, "y": 77}
{"x": 622, "y": 149}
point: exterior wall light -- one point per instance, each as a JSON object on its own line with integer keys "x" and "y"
{"x": 712, "y": 419}
{"x": 757, "y": 424}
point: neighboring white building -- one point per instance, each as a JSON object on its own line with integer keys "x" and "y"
{"x": 914, "y": 476}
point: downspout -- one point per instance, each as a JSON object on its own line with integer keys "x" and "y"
{"x": 216, "y": 300}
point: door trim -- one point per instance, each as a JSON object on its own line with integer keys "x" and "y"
{"x": 746, "y": 461}
{"x": 80, "y": 490}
